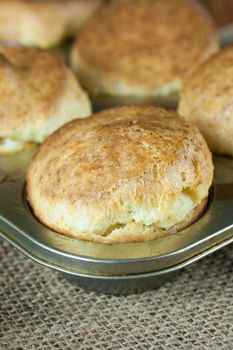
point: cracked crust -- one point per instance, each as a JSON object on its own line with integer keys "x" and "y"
{"x": 123, "y": 175}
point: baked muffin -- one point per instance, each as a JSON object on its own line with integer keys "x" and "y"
{"x": 135, "y": 50}
{"x": 124, "y": 175}
{"x": 207, "y": 101}
{"x": 38, "y": 94}
{"x": 43, "y": 23}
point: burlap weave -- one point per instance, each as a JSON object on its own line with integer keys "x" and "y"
{"x": 39, "y": 309}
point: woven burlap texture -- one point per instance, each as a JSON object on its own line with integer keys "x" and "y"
{"x": 40, "y": 309}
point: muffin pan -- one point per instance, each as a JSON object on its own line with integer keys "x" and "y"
{"x": 117, "y": 268}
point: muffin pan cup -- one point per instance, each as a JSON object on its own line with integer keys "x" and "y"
{"x": 116, "y": 268}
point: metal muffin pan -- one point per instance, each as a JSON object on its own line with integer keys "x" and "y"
{"x": 117, "y": 268}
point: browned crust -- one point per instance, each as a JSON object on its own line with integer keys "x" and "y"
{"x": 206, "y": 100}
{"x": 125, "y": 155}
{"x": 33, "y": 86}
{"x": 144, "y": 43}
{"x": 32, "y": 80}
{"x": 43, "y": 23}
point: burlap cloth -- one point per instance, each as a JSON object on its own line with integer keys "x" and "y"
{"x": 40, "y": 309}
